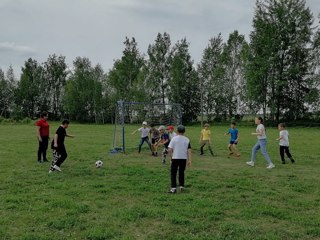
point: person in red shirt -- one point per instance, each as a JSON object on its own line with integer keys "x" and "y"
{"x": 42, "y": 127}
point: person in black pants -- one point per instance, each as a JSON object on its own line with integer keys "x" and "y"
{"x": 58, "y": 147}
{"x": 180, "y": 150}
{"x": 42, "y": 128}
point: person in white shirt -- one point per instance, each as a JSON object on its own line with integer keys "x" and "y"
{"x": 144, "y": 135}
{"x": 284, "y": 143}
{"x": 261, "y": 144}
{"x": 180, "y": 150}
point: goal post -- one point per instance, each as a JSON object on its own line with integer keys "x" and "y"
{"x": 130, "y": 115}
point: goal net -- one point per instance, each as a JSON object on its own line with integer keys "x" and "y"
{"x": 130, "y": 115}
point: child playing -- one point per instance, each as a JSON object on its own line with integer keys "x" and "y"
{"x": 164, "y": 141}
{"x": 261, "y": 144}
{"x": 234, "y": 137}
{"x": 171, "y": 132}
{"x": 180, "y": 151}
{"x": 205, "y": 139}
{"x": 144, "y": 135}
{"x": 284, "y": 143}
{"x": 155, "y": 136}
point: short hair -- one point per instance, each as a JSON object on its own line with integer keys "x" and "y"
{"x": 234, "y": 123}
{"x": 43, "y": 114}
{"x": 152, "y": 125}
{"x": 65, "y": 121}
{"x": 283, "y": 125}
{"x": 206, "y": 125}
{"x": 181, "y": 129}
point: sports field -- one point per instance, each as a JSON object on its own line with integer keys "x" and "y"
{"x": 127, "y": 198}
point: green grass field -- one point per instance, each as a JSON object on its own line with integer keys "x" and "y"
{"x": 127, "y": 198}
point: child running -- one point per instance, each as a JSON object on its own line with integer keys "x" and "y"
{"x": 234, "y": 138}
{"x": 261, "y": 144}
{"x": 205, "y": 139}
{"x": 284, "y": 143}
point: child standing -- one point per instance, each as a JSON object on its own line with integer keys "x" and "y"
{"x": 261, "y": 144}
{"x": 163, "y": 141}
{"x": 144, "y": 135}
{"x": 205, "y": 139}
{"x": 155, "y": 136}
{"x": 234, "y": 138}
{"x": 171, "y": 132}
{"x": 284, "y": 143}
{"x": 180, "y": 150}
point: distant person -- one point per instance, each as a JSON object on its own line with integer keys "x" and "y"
{"x": 145, "y": 131}
{"x": 155, "y": 137}
{"x": 261, "y": 144}
{"x": 58, "y": 147}
{"x": 284, "y": 143}
{"x": 180, "y": 151}
{"x": 234, "y": 138}
{"x": 205, "y": 139}
{"x": 42, "y": 129}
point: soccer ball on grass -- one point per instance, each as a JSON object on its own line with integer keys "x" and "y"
{"x": 99, "y": 164}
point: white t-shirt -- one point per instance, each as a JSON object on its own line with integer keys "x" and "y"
{"x": 144, "y": 132}
{"x": 179, "y": 145}
{"x": 284, "y": 135}
{"x": 260, "y": 128}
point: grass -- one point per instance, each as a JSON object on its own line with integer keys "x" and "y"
{"x": 127, "y": 199}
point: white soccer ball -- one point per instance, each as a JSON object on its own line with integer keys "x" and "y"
{"x": 99, "y": 164}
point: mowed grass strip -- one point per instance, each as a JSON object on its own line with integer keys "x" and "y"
{"x": 127, "y": 199}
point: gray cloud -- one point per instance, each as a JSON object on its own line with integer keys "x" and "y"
{"x": 97, "y": 28}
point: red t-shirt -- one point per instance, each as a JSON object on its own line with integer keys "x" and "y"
{"x": 44, "y": 127}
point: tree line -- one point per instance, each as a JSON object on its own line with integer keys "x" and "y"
{"x": 275, "y": 74}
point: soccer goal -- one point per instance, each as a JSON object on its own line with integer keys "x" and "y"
{"x": 130, "y": 115}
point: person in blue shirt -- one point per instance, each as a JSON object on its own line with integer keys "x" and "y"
{"x": 163, "y": 141}
{"x": 234, "y": 138}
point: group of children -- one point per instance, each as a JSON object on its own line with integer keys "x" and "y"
{"x": 159, "y": 137}
{"x": 178, "y": 146}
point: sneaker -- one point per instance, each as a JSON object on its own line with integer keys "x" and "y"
{"x": 231, "y": 153}
{"x": 292, "y": 160}
{"x": 50, "y": 171}
{"x": 270, "y": 166}
{"x": 250, "y": 163}
{"x": 57, "y": 168}
{"x": 283, "y": 162}
{"x": 181, "y": 189}
{"x": 46, "y": 160}
{"x": 172, "y": 191}
{"x": 163, "y": 161}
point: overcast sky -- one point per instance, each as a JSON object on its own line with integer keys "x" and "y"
{"x": 97, "y": 28}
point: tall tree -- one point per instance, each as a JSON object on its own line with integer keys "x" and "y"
{"x": 83, "y": 91}
{"x": 184, "y": 82}
{"x": 54, "y": 80}
{"x": 158, "y": 69}
{"x": 125, "y": 74}
{"x": 280, "y": 49}
{"x": 212, "y": 83}
{"x": 233, "y": 53}
{"x": 7, "y": 92}
{"x": 29, "y": 89}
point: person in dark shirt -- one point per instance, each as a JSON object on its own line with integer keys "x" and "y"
{"x": 163, "y": 141}
{"x": 57, "y": 145}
